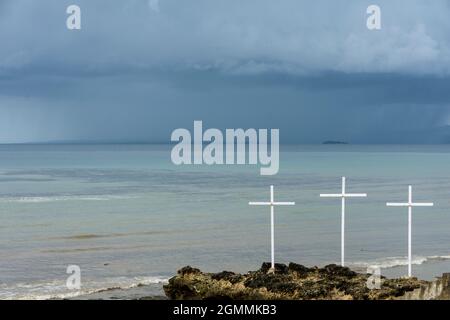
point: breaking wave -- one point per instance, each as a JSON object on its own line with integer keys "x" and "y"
{"x": 65, "y": 198}
{"x": 58, "y": 290}
{"x": 392, "y": 262}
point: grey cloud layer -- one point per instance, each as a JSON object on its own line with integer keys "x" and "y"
{"x": 250, "y": 36}
{"x": 139, "y": 68}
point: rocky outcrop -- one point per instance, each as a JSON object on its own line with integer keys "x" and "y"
{"x": 293, "y": 281}
{"x": 435, "y": 290}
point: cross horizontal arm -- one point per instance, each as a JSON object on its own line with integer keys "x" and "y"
{"x": 354, "y": 195}
{"x": 397, "y": 204}
{"x": 331, "y": 195}
{"x": 260, "y": 203}
{"x": 424, "y": 204}
{"x": 284, "y": 203}
{"x": 406, "y": 204}
{"x": 272, "y": 203}
{"x": 340, "y": 195}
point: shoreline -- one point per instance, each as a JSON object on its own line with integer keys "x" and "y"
{"x": 155, "y": 291}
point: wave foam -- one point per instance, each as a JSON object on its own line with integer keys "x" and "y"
{"x": 392, "y": 262}
{"x": 65, "y": 198}
{"x": 58, "y": 290}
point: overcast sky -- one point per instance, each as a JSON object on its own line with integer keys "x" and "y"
{"x": 139, "y": 69}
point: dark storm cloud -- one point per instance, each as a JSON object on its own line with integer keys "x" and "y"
{"x": 138, "y": 69}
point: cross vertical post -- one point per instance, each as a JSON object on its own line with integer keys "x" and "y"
{"x": 343, "y": 195}
{"x": 343, "y": 223}
{"x": 409, "y": 204}
{"x": 272, "y": 205}
{"x": 272, "y": 230}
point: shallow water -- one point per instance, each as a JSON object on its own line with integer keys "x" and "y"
{"x": 127, "y": 216}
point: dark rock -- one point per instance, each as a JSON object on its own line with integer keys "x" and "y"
{"x": 188, "y": 270}
{"x": 279, "y": 268}
{"x": 335, "y": 270}
{"x": 301, "y": 270}
{"x": 178, "y": 288}
{"x": 313, "y": 290}
{"x": 288, "y": 282}
{"x": 273, "y": 282}
{"x": 228, "y": 276}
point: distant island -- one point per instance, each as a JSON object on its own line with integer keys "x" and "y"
{"x": 334, "y": 142}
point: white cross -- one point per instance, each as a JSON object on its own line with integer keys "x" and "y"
{"x": 343, "y": 195}
{"x": 409, "y": 204}
{"x": 272, "y": 204}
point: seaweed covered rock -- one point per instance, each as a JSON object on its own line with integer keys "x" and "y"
{"x": 293, "y": 281}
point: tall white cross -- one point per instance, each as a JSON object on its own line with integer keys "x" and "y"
{"x": 343, "y": 195}
{"x": 409, "y": 204}
{"x": 272, "y": 204}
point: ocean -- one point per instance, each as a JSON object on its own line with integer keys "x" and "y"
{"x": 130, "y": 219}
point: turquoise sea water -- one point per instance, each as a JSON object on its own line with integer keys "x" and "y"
{"x": 127, "y": 216}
